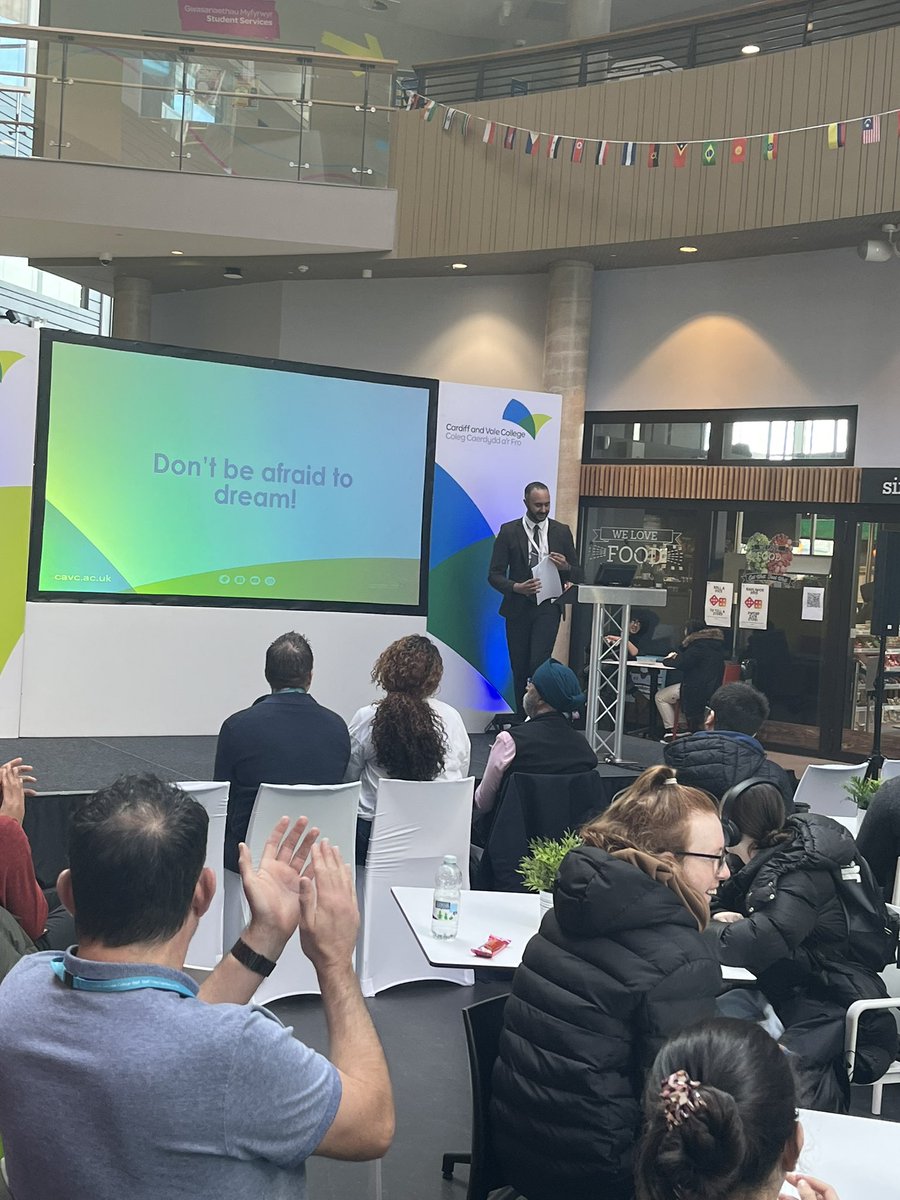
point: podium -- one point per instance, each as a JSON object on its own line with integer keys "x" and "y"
{"x": 608, "y": 673}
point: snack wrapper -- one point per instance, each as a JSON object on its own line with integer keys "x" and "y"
{"x": 491, "y": 947}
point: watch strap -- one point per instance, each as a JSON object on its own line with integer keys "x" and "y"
{"x": 258, "y": 963}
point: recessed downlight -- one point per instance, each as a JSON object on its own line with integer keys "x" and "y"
{"x": 750, "y": 48}
{"x": 177, "y": 253}
{"x": 688, "y": 249}
{"x": 233, "y": 273}
{"x": 460, "y": 266}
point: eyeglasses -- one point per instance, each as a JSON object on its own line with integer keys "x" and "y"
{"x": 720, "y": 859}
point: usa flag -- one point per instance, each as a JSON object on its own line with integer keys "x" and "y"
{"x": 871, "y": 130}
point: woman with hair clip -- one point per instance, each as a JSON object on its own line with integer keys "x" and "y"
{"x": 720, "y": 1119}
{"x": 618, "y": 965}
{"x": 782, "y": 917}
{"x": 406, "y": 735}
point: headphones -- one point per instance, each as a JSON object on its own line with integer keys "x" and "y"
{"x": 732, "y": 833}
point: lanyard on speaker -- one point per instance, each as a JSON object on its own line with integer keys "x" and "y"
{"x": 131, "y": 983}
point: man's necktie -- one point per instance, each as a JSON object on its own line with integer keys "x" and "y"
{"x": 534, "y": 544}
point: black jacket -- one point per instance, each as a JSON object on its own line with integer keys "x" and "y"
{"x": 283, "y": 738}
{"x": 718, "y": 760}
{"x": 879, "y": 835}
{"x": 509, "y": 562}
{"x": 794, "y": 939}
{"x": 701, "y": 660}
{"x": 617, "y": 967}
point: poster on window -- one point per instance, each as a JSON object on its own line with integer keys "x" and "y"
{"x": 813, "y": 604}
{"x": 754, "y": 606}
{"x": 717, "y": 604}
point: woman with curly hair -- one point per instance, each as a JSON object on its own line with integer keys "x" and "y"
{"x": 408, "y": 734}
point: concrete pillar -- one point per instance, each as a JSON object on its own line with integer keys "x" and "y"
{"x": 566, "y": 347}
{"x": 131, "y": 308}
{"x": 589, "y": 18}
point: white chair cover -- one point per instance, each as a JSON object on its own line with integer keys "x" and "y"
{"x": 205, "y": 949}
{"x": 822, "y": 787}
{"x": 890, "y": 769}
{"x": 415, "y": 825}
{"x": 333, "y": 810}
{"x": 856, "y": 1155}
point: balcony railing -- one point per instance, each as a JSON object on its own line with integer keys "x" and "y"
{"x": 212, "y": 108}
{"x": 654, "y": 49}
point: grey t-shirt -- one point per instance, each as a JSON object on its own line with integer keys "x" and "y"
{"x": 148, "y": 1093}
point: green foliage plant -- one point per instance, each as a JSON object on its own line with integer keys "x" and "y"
{"x": 861, "y": 791}
{"x": 538, "y": 868}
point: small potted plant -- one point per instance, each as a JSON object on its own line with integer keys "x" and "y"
{"x": 538, "y": 868}
{"x": 861, "y": 792}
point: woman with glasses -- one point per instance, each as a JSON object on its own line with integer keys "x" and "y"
{"x": 782, "y": 916}
{"x": 619, "y": 965}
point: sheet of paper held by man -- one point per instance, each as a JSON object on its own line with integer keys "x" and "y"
{"x": 548, "y": 576}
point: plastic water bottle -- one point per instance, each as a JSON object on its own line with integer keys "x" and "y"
{"x": 445, "y": 909}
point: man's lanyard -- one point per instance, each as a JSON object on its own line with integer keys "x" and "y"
{"x": 131, "y": 983}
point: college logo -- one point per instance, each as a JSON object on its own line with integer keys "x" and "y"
{"x": 518, "y": 414}
{"x": 8, "y": 359}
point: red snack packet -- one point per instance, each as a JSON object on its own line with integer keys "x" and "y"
{"x": 491, "y": 947}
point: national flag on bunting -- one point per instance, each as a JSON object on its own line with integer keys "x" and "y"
{"x": 653, "y": 155}
{"x": 509, "y": 139}
{"x": 490, "y": 130}
{"x": 531, "y": 143}
{"x": 577, "y": 150}
{"x": 629, "y": 150}
{"x": 738, "y": 149}
{"x": 448, "y": 119}
{"x": 709, "y": 154}
{"x": 837, "y": 135}
{"x": 553, "y": 145}
{"x": 464, "y": 120}
{"x": 770, "y": 147}
{"x": 411, "y": 100}
{"x": 429, "y": 110}
{"x": 871, "y": 130}
{"x": 679, "y": 158}
{"x": 602, "y": 148}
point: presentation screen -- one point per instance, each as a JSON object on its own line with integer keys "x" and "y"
{"x": 177, "y": 475}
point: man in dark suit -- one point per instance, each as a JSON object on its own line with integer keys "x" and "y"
{"x": 531, "y": 624}
{"x": 282, "y": 738}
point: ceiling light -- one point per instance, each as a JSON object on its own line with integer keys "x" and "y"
{"x": 750, "y": 49}
{"x": 459, "y": 266}
{"x": 233, "y": 273}
{"x": 302, "y": 268}
{"x": 178, "y": 253}
{"x": 688, "y": 249}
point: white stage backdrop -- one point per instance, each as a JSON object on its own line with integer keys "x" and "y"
{"x": 94, "y": 670}
{"x": 490, "y": 444}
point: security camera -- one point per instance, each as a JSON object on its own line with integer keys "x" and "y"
{"x": 106, "y": 258}
{"x": 875, "y": 250}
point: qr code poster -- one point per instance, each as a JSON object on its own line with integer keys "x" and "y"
{"x": 754, "y": 606}
{"x": 813, "y": 604}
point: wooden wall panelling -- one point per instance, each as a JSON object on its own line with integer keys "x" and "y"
{"x": 784, "y": 484}
{"x": 459, "y": 196}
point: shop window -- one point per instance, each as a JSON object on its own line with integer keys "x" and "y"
{"x": 816, "y": 440}
{"x": 654, "y": 441}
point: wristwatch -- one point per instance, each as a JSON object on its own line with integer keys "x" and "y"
{"x": 258, "y": 963}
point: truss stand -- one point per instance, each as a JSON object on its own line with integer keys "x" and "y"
{"x": 608, "y": 671}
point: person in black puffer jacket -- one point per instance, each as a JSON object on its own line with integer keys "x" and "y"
{"x": 618, "y": 966}
{"x": 726, "y": 750}
{"x": 780, "y": 916}
{"x": 701, "y": 660}
{"x": 879, "y": 835}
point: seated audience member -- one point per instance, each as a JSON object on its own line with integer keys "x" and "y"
{"x": 20, "y": 893}
{"x": 158, "y": 1093}
{"x": 726, "y": 751}
{"x": 406, "y": 735}
{"x": 701, "y": 660}
{"x": 285, "y": 737}
{"x": 782, "y": 917}
{"x": 878, "y": 839}
{"x": 618, "y": 965}
{"x": 546, "y": 744}
{"x": 720, "y": 1119}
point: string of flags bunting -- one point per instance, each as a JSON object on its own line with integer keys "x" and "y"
{"x": 564, "y": 145}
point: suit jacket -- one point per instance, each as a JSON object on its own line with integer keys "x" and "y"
{"x": 283, "y": 738}
{"x": 509, "y": 562}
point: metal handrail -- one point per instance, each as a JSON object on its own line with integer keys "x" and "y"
{"x": 185, "y": 47}
{"x": 666, "y": 46}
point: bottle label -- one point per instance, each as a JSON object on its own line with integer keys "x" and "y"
{"x": 445, "y": 910}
